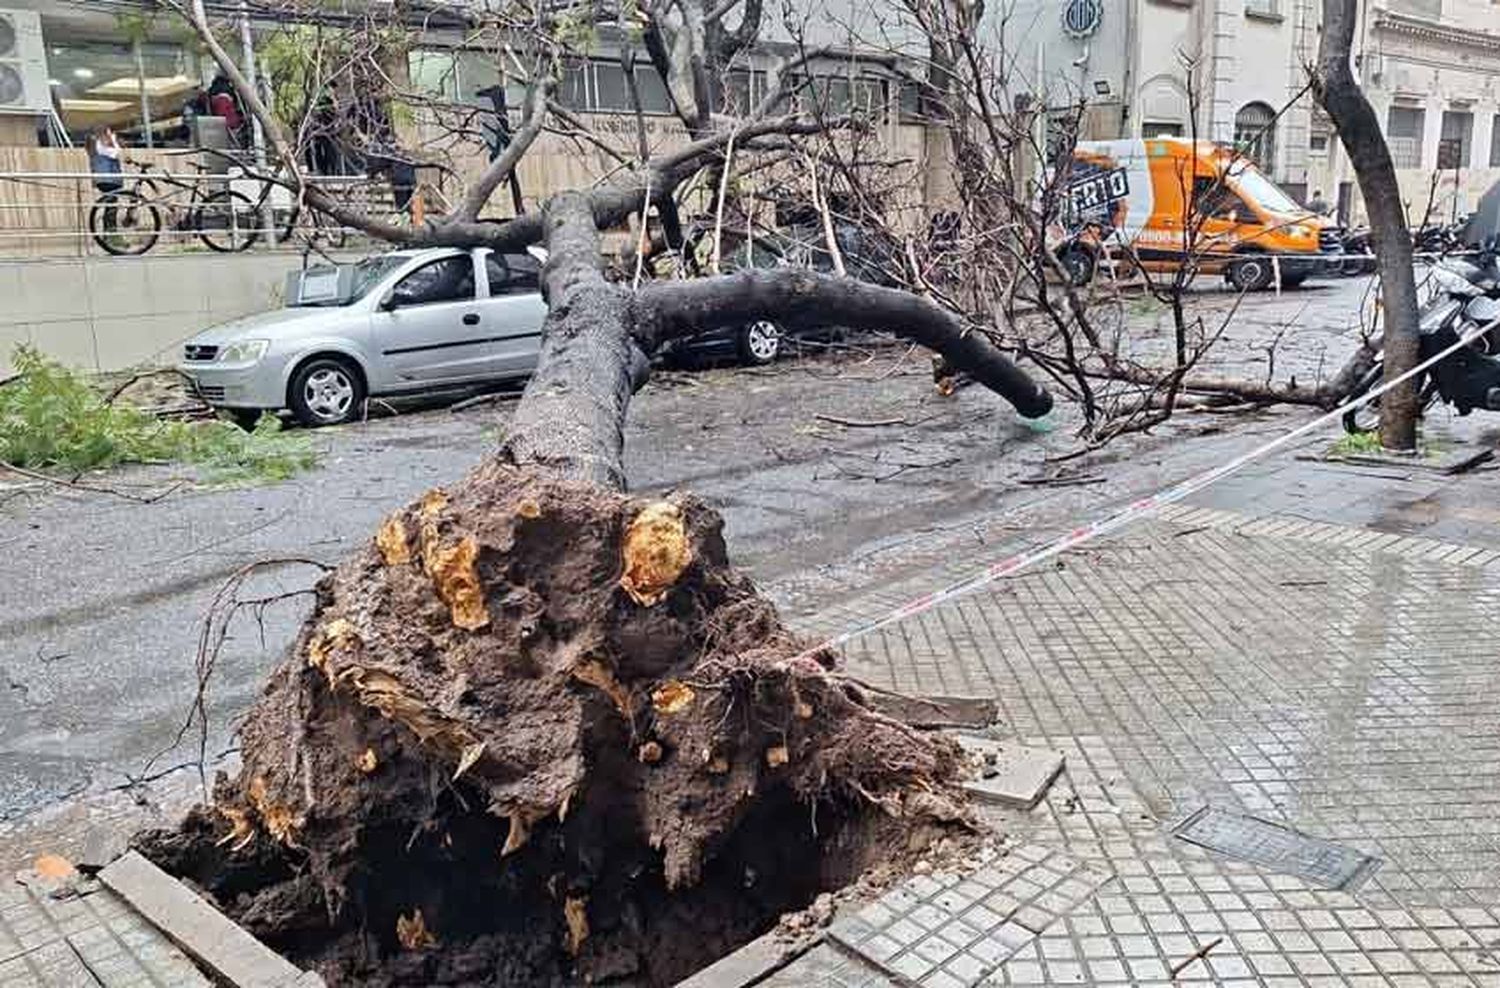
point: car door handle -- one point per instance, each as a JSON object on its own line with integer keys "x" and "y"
{"x": 471, "y": 319}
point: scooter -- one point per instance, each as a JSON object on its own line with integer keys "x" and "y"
{"x": 1466, "y": 299}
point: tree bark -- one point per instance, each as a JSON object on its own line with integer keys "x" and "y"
{"x": 598, "y": 336}
{"x": 795, "y": 298}
{"x": 1359, "y": 132}
{"x": 572, "y": 417}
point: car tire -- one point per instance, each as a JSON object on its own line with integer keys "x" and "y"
{"x": 760, "y": 342}
{"x": 1078, "y": 264}
{"x": 245, "y": 418}
{"x": 326, "y": 391}
{"x": 1293, "y": 281}
{"x": 1251, "y": 274}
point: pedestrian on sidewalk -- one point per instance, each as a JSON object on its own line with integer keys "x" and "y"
{"x": 105, "y": 159}
{"x": 106, "y": 164}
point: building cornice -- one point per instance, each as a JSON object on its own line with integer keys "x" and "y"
{"x": 1437, "y": 34}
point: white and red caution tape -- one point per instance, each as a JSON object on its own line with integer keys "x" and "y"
{"x": 1132, "y": 512}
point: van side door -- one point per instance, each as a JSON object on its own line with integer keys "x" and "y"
{"x": 1221, "y": 215}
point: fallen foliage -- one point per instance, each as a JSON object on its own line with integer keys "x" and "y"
{"x": 51, "y": 418}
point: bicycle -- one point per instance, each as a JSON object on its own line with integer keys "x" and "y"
{"x": 128, "y": 221}
{"x": 313, "y": 225}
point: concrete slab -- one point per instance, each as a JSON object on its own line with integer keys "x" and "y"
{"x": 1008, "y": 773}
{"x": 230, "y": 952}
{"x": 750, "y": 965}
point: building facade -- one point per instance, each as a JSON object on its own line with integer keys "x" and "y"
{"x": 1237, "y": 71}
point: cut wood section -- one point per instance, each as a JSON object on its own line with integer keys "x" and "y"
{"x": 230, "y": 954}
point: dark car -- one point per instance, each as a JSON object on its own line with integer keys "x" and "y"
{"x": 762, "y": 341}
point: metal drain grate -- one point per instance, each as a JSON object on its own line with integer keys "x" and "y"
{"x": 1277, "y": 848}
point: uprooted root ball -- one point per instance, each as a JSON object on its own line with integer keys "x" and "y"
{"x": 539, "y": 733}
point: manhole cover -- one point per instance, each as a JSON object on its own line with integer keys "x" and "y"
{"x": 1278, "y": 848}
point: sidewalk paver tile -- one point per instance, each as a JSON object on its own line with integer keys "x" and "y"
{"x": 1338, "y": 681}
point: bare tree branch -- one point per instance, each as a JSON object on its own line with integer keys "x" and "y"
{"x": 532, "y": 119}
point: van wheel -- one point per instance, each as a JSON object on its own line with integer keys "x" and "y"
{"x": 1250, "y": 274}
{"x": 1078, "y": 265}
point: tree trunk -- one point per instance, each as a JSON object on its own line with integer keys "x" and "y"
{"x": 598, "y": 337}
{"x": 1359, "y": 131}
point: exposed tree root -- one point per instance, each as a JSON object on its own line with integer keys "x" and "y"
{"x": 538, "y": 732}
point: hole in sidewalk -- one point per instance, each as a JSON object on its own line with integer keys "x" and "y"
{"x": 499, "y": 921}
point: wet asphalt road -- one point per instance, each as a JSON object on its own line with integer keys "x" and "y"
{"x": 103, "y": 597}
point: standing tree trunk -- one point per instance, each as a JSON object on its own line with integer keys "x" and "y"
{"x": 1359, "y": 131}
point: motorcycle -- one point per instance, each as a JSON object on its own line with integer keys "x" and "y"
{"x": 1466, "y": 298}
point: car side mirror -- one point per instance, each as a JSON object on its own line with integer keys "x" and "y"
{"x": 388, "y": 301}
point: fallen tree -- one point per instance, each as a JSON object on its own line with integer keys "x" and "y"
{"x": 538, "y": 731}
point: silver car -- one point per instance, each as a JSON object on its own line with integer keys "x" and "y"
{"x": 399, "y": 323}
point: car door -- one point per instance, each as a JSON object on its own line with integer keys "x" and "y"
{"x": 515, "y": 311}
{"x": 430, "y": 327}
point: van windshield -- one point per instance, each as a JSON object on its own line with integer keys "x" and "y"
{"x": 1257, "y": 188}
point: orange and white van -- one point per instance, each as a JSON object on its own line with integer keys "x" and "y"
{"x": 1139, "y": 193}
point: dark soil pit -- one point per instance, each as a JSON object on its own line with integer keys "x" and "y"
{"x": 542, "y": 734}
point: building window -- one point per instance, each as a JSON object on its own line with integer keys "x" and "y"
{"x": 1431, "y": 9}
{"x": 654, "y": 97}
{"x": 1160, "y": 128}
{"x": 1403, "y": 133}
{"x": 1495, "y": 142}
{"x": 1263, "y": 8}
{"x": 610, "y": 90}
{"x": 1457, "y": 139}
{"x": 573, "y": 86}
{"x": 1255, "y": 134}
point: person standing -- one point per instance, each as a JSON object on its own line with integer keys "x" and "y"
{"x": 106, "y": 166}
{"x": 1317, "y": 204}
{"x": 105, "y": 160}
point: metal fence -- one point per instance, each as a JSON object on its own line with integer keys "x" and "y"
{"x": 57, "y": 207}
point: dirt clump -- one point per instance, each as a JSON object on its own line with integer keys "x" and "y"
{"x": 540, "y": 733}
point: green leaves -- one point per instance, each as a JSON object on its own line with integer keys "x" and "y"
{"x": 51, "y": 417}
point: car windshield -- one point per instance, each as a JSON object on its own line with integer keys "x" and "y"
{"x": 1257, "y": 188}
{"x": 345, "y": 284}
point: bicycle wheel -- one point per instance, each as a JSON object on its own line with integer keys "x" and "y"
{"x": 227, "y": 222}
{"x": 123, "y": 223}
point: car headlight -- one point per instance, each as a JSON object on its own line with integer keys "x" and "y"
{"x": 243, "y": 352}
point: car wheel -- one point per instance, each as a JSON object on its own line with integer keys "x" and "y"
{"x": 1293, "y": 281}
{"x": 1078, "y": 264}
{"x": 1250, "y": 274}
{"x": 760, "y": 342}
{"x": 326, "y": 391}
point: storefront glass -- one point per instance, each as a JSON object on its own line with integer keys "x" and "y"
{"x": 100, "y": 84}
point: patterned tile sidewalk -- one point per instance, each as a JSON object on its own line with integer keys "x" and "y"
{"x": 81, "y": 935}
{"x": 1333, "y": 679}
